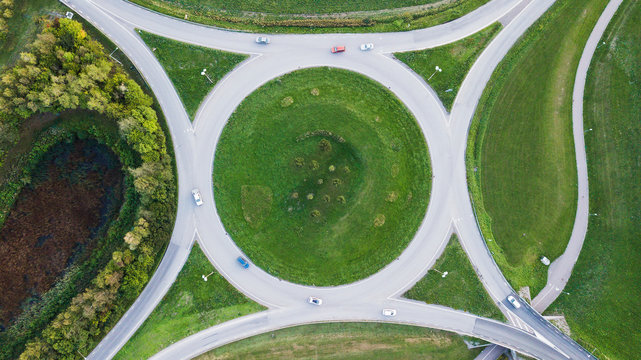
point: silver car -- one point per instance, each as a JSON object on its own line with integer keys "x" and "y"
{"x": 262, "y": 40}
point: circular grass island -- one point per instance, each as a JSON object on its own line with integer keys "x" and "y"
{"x": 322, "y": 177}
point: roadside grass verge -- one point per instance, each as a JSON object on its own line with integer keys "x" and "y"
{"x": 23, "y": 26}
{"x": 454, "y": 59}
{"x": 184, "y": 64}
{"x": 605, "y": 297}
{"x": 520, "y": 158}
{"x": 340, "y": 176}
{"x": 460, "y": 289}
{"x": 247, "y": 16}
{"x": 292, "y": 6}
{"x": 348, "y": 341}
{"x": 190, "y": 305}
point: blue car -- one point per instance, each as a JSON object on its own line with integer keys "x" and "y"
{"x": 241, "y": 260}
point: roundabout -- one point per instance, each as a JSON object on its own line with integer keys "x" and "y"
{"x": 449, "y": 208}
{"x": 318, "y": 184}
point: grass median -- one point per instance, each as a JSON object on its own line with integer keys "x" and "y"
{"x": 184, "y": 64}
{"x": 604, "y": 299}
{"x": 454, "y": 60}
{"x": 191, "y": 305}
{"x": 322, "y": 177}
{"x": 348, "y": 341}
{"x": 520, "y": 158}
{"x": 460, "y": 289}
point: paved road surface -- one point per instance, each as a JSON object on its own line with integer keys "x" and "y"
{"x": 446, "y": 137}
{"x": 408, "y": 312}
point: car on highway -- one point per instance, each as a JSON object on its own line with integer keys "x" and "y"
{"x": 197, "y": 198}
{"x": 389, "y": 312}
{"x": 337, "y": 49}
{"x": 262, "y": 40}
{"x": 366, "y": 47}
{"x": 513, "y": 301}
{"x": 243, "y": 262}
{"x": 315, "y": 301}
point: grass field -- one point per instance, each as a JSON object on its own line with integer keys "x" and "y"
{"x": 23, "y": 26}
{"x": 348, "y": 341}
{"x": 526, "y": 202}
{"x": 307, "y": 16}
{"x": 190, "y": 305}
{"x": 294, "y": 6}
{"x": 184, "y": 64}
{"x": 460, "y": 289}
{"x": 454, "y": 59}
{"x": 336, "y": 168}
{"x": 603, "y": 308}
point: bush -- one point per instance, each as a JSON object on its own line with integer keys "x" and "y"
{"x": 325, "y": 146}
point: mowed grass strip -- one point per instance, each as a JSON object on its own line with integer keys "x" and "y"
{"x": 184, "y": 64}
{"x": 294, "y": 6}
{"x": 310, "y": 16}
{"x": 348, "y": 341}
{"x": 454, "y": 59}
{"x": 604, "y": 305}
{"x": 347, "y": 168}
{"x": 191, "y": 305}
{"x": 460, "y": 289}
{"x": 521, "y": 161}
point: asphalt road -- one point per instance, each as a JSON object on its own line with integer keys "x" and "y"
{"x": 408, "y": 312}
{"x": 449, "y": 207}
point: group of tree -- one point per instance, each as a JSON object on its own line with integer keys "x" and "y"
{"x": 65, "y": 69}
{"x": 6, "y": 13}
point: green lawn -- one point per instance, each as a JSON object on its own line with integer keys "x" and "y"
{"x": 322, "y": 177}
{"x": 294, "y": 6}
{"x": 184, "y": 64}
{"x": 521, "y": 163}
{"x": 285, "y": 16}
{"x": 190, "y": 305}
{"x": 23, "y": 26}
{"x": 454, "y": 59}
{"x": 460, "y": 289}
{"x": 348, "y": 341}
{"x": 603, "y": 308}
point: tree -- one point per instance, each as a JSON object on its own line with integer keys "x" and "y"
{"x": 36, "y": 350}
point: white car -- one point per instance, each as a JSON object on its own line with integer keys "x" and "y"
{"x": 513, "y": 301}
{"x": 366, "y": 47}
{"x": 262, "y": 40}
{"x": 197, "y": 198}
{"x": 315, "y": 301}
{"x": 389, "y": 312}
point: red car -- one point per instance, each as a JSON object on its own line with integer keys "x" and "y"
{"x": 337, "y": 49}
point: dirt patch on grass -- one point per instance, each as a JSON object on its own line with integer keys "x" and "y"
{"x": 75, "y": 190}
{"x": 256, "y": 203}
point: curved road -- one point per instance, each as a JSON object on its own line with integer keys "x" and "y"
{"x": 449, "y": 204}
